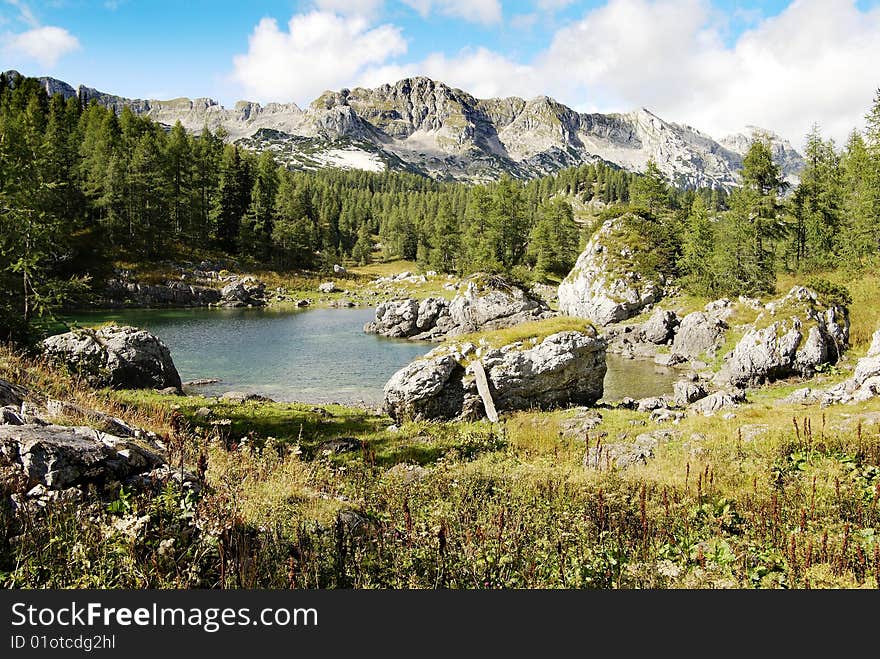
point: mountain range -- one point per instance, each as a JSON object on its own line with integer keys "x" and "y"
{"x": 425, "y": 126}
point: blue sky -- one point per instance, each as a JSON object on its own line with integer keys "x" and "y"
{"x": 716, "y": 64}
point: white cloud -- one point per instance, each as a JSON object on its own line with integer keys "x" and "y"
{"x": 523, "y": 21}
{"x": 480, "y": 72}
{"x": 814, "y": 62}
{"x": 45, "y": 44}
{"x": 475, "y": 11}
{"x": 553, "y": 5}
{"x": 25, "y": 15}
{"x": 351, "y": 7}
{"x": 317, "y": 51}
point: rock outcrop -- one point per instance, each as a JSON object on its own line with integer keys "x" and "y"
{"x": 483, "y": 302}
{"x": 244, "y": 292}
{"x": 864, "y": 383}
{"x": 118, "y": 292}
{"x": 606, "y": 285}
{"x": 792, "y": 336}
{"x": 117, "y": 357}
{"x": 699, "y": 336}
{"x": 46, "y": 461}
{"x": 563, "y": 368}
{"x": 660, "y": 327}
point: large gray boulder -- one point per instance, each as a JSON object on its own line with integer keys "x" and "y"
{"x": 46, "y": 461}
{"x": 117, "y": 357}
{"x": 59, "y": 457}
{"x": 660, "y": 327}
{"x": 563, "y": 368}
{"x": 720, "y": 400}
{"x": 793, "y": 336}
{"x": 396, "y": 319}
{"x": 483, "y": 302}
{"x": 699, "y": 335}
{"x": 428, "y": 388}
{"x": 488, "y": 302}
{"x": 605, "y": 284}
{"x": 244, "y": 292}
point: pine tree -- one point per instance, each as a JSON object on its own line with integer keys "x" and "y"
{"x": 553, "y": 242}
{"x": 697, "y": 251}
{"x": 650, "y": 190}
{"x": 753, "y": 224}
{"x": 446, "y": 240}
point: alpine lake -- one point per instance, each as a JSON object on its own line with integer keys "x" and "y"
{"x": 314, "y": 356}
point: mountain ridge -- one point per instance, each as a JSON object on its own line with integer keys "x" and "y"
{"x": 444, "y": 132}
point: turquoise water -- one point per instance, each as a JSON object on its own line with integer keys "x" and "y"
{"x": 312, "y": 356}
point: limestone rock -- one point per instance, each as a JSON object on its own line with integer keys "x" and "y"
{"x": 241, "y": 397}
{"x": 660, "y": 327}
{"x": 720, "y": 400}
{"x": 564, "y": 368}
{"x": 793, "y": 336}
{"x": 700, "y": 334}
{"x": 59, "y": 457}
{"x": 244, "y": 292}
{"x": 605, "y": 284}
{"x": 686, "y": 392}
{"x": 118, "y": 357}
{"x": 483, "y": 302}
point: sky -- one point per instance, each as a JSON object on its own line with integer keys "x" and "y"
{"x": 717, "y": 65}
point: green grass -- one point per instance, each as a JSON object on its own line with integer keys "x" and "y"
{"x": 535, "y": 331}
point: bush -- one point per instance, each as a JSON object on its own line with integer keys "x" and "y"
{"x": 830, "y": 293}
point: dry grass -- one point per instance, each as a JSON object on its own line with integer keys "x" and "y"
{"x": 535, "y": 331}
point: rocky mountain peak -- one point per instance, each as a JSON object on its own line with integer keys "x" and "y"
{"x": 425, "y": 125}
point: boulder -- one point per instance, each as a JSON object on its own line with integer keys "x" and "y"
{"x": 624, "y": 455}
{"x": 241, "y": 397}
{"x": 651, "y": 403}
{"x": 395, "y": 319}
{"x": 606, "y": 285}
{"x": 428, "y": 388}
{"x": 483, "y": 302}
{"x": 408, "y": 318}
{"x": 563, "y": 368}
{"x": 244, "y": 292}
{"x": 338, "y": 269}
{"x": 59, "y": 457}
{"x": 793, "y": 336}
{"x": 865, "y": 381}
{"x": 699, "y": 335}
{"x": 686, "y": 392}
{"x": 327, "y": 287}
{"x": 117, "y": 357}
{"x": 660, "y": 327}
{"x": 720, "y": 400}
{"x": 489, "y": 302}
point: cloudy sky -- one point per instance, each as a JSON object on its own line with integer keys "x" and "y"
{"x": 717, "y": 65}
